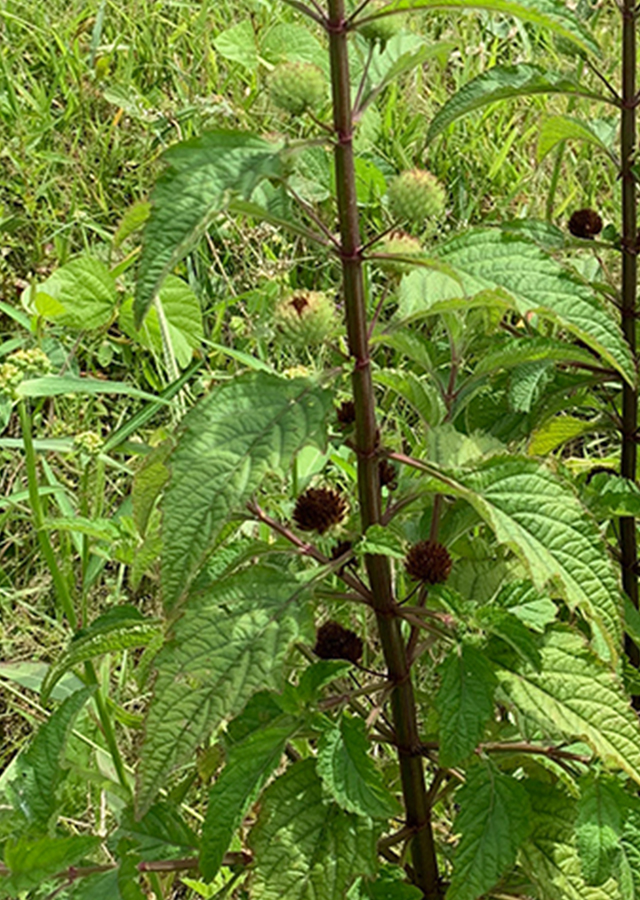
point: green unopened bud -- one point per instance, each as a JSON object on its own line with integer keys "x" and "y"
{"x": 298, "y": 86}
{"x": 306, "y": 318}
{"x": 31, "y": 363}
{"x": 10, "y": 378}
{"x": 401, "y": 247}
{"x": 384, "y": 28}
{"x": 416, "y": 196}
{"x": 88, "y": 442}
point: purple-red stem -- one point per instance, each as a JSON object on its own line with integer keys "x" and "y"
{"x": 418, "y": 813}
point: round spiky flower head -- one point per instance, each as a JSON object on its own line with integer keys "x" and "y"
{"x": 585, "y": 223}
{"x": 318, "y": 509}
{"x": 429, "y": 562}
{"x": 416, "y": 195}
{"x": 398, "y": 244}
{"x": 382, "y": 29}
{"x": 306, "y": 317}
{"x": 333, "y": 641}
{"x": 297, "y": 86}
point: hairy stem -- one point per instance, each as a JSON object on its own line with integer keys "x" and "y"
{"x": 366, "y": 445}
{"x": 628, "y": 545}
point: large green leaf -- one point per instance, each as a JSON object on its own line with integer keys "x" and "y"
{"x": 160, "y": 834}
{"x": 32, "y": 860}
{"x": 402, "y": 53}
{"x": 550, "y": 14}
{"x": 248, "y": 767}
{"x": 506, "y": 268}
{"x": 200, "y": 177}
{"x": 81, "y": 294}
{"x": 229, "y": 643}
{"x": 241, "y": 431}
{"x": 305, "y": 847}
{"x": 39, "y": 770}
{"x": 539, "y": 517}
{"x": 349, "y": 773}
{"x": 183, "y": 315}
{"x": 493, "y": 821}
{"x": 630, "y": 862}
{"x": 599, "y": 827}
{"x": 576, "y": 694}
{"x": 549, "y": 855}
{"x": 566, "y": 128}
{"x": 464, "y": 702}
{"x": 119, "y": 635}
{"x": 503, "y": 83}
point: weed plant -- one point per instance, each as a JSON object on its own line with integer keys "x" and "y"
{"x": 318, "y": 562}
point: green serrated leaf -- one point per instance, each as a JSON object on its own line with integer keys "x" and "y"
{"x": 160, "y": 834}
{"x": 464, "y": 702}
{"x": 539, "y": 517}
{"x": 493, "y": 821}
{"x": 305, "y": 847}
{"x": 243, "y": 429}
{"x": 608, "y": 494}
{"x": 401, "y": 54}
{"x": 599, "y": 827}
{"x": 249, "y": 766}
{"x": 504, "y": 83}
{"x": 148, "y": 482}
{"x": 117, "y": 635}
{"x": 549, "y": 856}
{"x": 382, "y": 541}
{"x": 200, "y": 176}
{"x": 566, "y": 128}
{"x": 39, "y": 769}
{"x": 183, "y": 316}
{"x": 630, "y": 847}
{"x": 32, "y": 860}
{"x": 530, "y": 606}
{"x": 531, "y": 281}
{"x": 576, "y": 694}
{"x": 509, "y": 628}
{"x": 229, "y": 643}
{"x": 349, "y": 773}
{"x": 557, "y": 432}
{"x": 238, "y": 44}
{"x": 548, "y": 14}
{"x": 318, "y": 675}
{"x": 81, "y": 294}
{"x": 514, "y": 352}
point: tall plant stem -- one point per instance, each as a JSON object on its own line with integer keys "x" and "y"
{"x": 378, "y": 568}
{"x": 628, "y": 545}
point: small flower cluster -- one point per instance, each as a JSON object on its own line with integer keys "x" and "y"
{"x": 21, "y": 365}
{"x": 88, "y": 442}
{"x": 428, "y": 562}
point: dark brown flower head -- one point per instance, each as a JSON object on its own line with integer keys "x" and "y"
{"x": 299, "y": 303}
{"x": 585, "y": 223}
{"x": 333, "y": 641}
{"x": 388, "y": 475}
{"x": 318, "y": 509}
{"x": 346, "y": 413}
{"x": 429, "y": 562}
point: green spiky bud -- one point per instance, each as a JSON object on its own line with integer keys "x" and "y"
{"x": 401, "y": 245}
{"x": 416, "y": 195}
{"x": 297, "y": 86}
{"x": 306, "y": 318}
{"x": 382, "y": 29}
